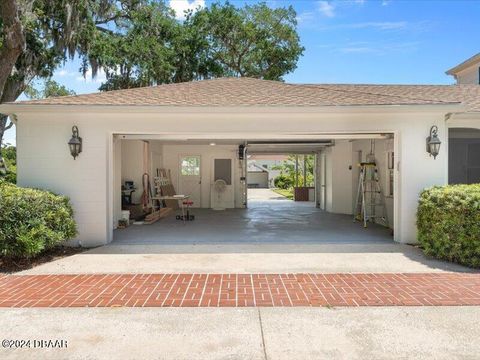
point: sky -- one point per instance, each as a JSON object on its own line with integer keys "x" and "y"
{"x": 357, "y": 41}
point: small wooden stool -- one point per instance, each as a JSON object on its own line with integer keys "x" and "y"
{"x": 187, "y": 217}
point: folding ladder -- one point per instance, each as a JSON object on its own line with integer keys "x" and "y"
{"x": 370, "y": 202}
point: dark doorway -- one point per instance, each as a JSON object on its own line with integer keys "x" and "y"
{"x": 464, "y": 156}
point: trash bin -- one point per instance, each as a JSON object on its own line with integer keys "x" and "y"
{"x": 126, "y": 215}
{"x": 300, "y": 193}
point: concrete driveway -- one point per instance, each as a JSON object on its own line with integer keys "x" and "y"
{"x": 260, "y": 259}
{"x": 265, "y": 239}
{"x": 265, "y": 195}
{"x": 253, "y": 333}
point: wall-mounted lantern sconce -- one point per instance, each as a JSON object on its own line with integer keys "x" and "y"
{"x": 75, "y": 143}
{"x": 433, "y": 142}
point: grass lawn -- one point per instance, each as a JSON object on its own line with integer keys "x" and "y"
{"x": 288, "y": 193}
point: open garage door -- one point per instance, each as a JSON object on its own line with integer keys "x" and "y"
{"x": 284, "y": 170}
{"x": 335, "y": 180}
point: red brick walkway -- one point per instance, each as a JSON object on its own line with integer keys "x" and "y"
{"x": 210, "y": 290}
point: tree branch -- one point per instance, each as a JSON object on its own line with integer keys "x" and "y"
{"x": 99, "y": 28}
{"x": 13, "y": 39}
{"x": 8, "y": 126}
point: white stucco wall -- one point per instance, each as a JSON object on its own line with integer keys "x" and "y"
{"x": 269, "y": 164}
{"x": 44, "y": 160}
{"x": 258, "y": 178}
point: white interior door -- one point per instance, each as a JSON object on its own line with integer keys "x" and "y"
{"x": 190, "y": 179}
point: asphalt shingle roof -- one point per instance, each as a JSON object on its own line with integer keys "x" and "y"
{"x": 255, "y": 92}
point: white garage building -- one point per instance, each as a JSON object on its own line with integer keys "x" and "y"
{"x": 187, "y": 127}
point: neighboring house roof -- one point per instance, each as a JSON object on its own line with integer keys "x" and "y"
{"x": 475, "y": 59}
{"x": 268, "y": 157}
{"x": 255, "y": 92}
{"x": 252, "y": 167}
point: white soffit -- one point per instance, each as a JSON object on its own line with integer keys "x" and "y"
{"x": 249, "y": 138}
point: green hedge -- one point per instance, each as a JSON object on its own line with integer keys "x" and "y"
{"x": 448, "y": 221}
{"x": 32, "y": 221}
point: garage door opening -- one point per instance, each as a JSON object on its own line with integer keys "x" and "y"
{"x": 281, "y": 177}
{"x": 214, "y": 179}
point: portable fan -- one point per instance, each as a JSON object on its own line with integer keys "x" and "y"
{"x": 219, "y": 187}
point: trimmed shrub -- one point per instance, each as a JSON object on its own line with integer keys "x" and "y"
{"x": 283, "y": 182}
{"x": 9, "y": 154}
{"x": 32, "y": 221}
{"x": 448, "y": 221}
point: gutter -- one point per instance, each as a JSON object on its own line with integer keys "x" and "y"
{"x": 13, "y": 108}
{"x": 472, "y": 115}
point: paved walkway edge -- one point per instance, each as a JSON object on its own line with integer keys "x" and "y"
{"x": 239, "y": 290}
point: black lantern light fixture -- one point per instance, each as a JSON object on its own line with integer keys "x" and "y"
{"x": 75, "y": 143}
{"x": 433, "y": 142}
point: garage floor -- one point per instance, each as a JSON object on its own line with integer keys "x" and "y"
{"x": 274, "y": 236}
{"x": 265, "y": 222}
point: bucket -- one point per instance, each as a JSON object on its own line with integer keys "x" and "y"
{"x": 126, "y": 215}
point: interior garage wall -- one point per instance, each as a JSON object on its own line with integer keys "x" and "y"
{"x": 342, "y": 174}
{"x": 207, "y": 153}
{"x": 129, "y": 165}
{"x": 132, "y": 165}
{"x": 156, "y": 157}
{"x": 328, "y": 179}
{"x": 382, "y": 147}
{"x": 339, "y": 175}
{"x": 117, "y": 180}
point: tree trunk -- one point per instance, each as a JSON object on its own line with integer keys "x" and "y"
{"x": 3, "y": 122}
{"x": 13, "y": 39}
{"x": 12, "y": 90}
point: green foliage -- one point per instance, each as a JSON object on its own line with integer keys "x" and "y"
{"x": 9, "y": 154}
{"x": 50, "y": 89}
{"x": 288, "y": 193}
{"x": 288, "y": 171}
{"x": 254, "y": 41}
{"x": 448, "y": 221}
{"x": 32, "y": 221}
{"x": 53, "y": 30}
{"x": 141, "y": 52}
{"x": 152, "y": 47}
{"x": 283, "y": 182}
